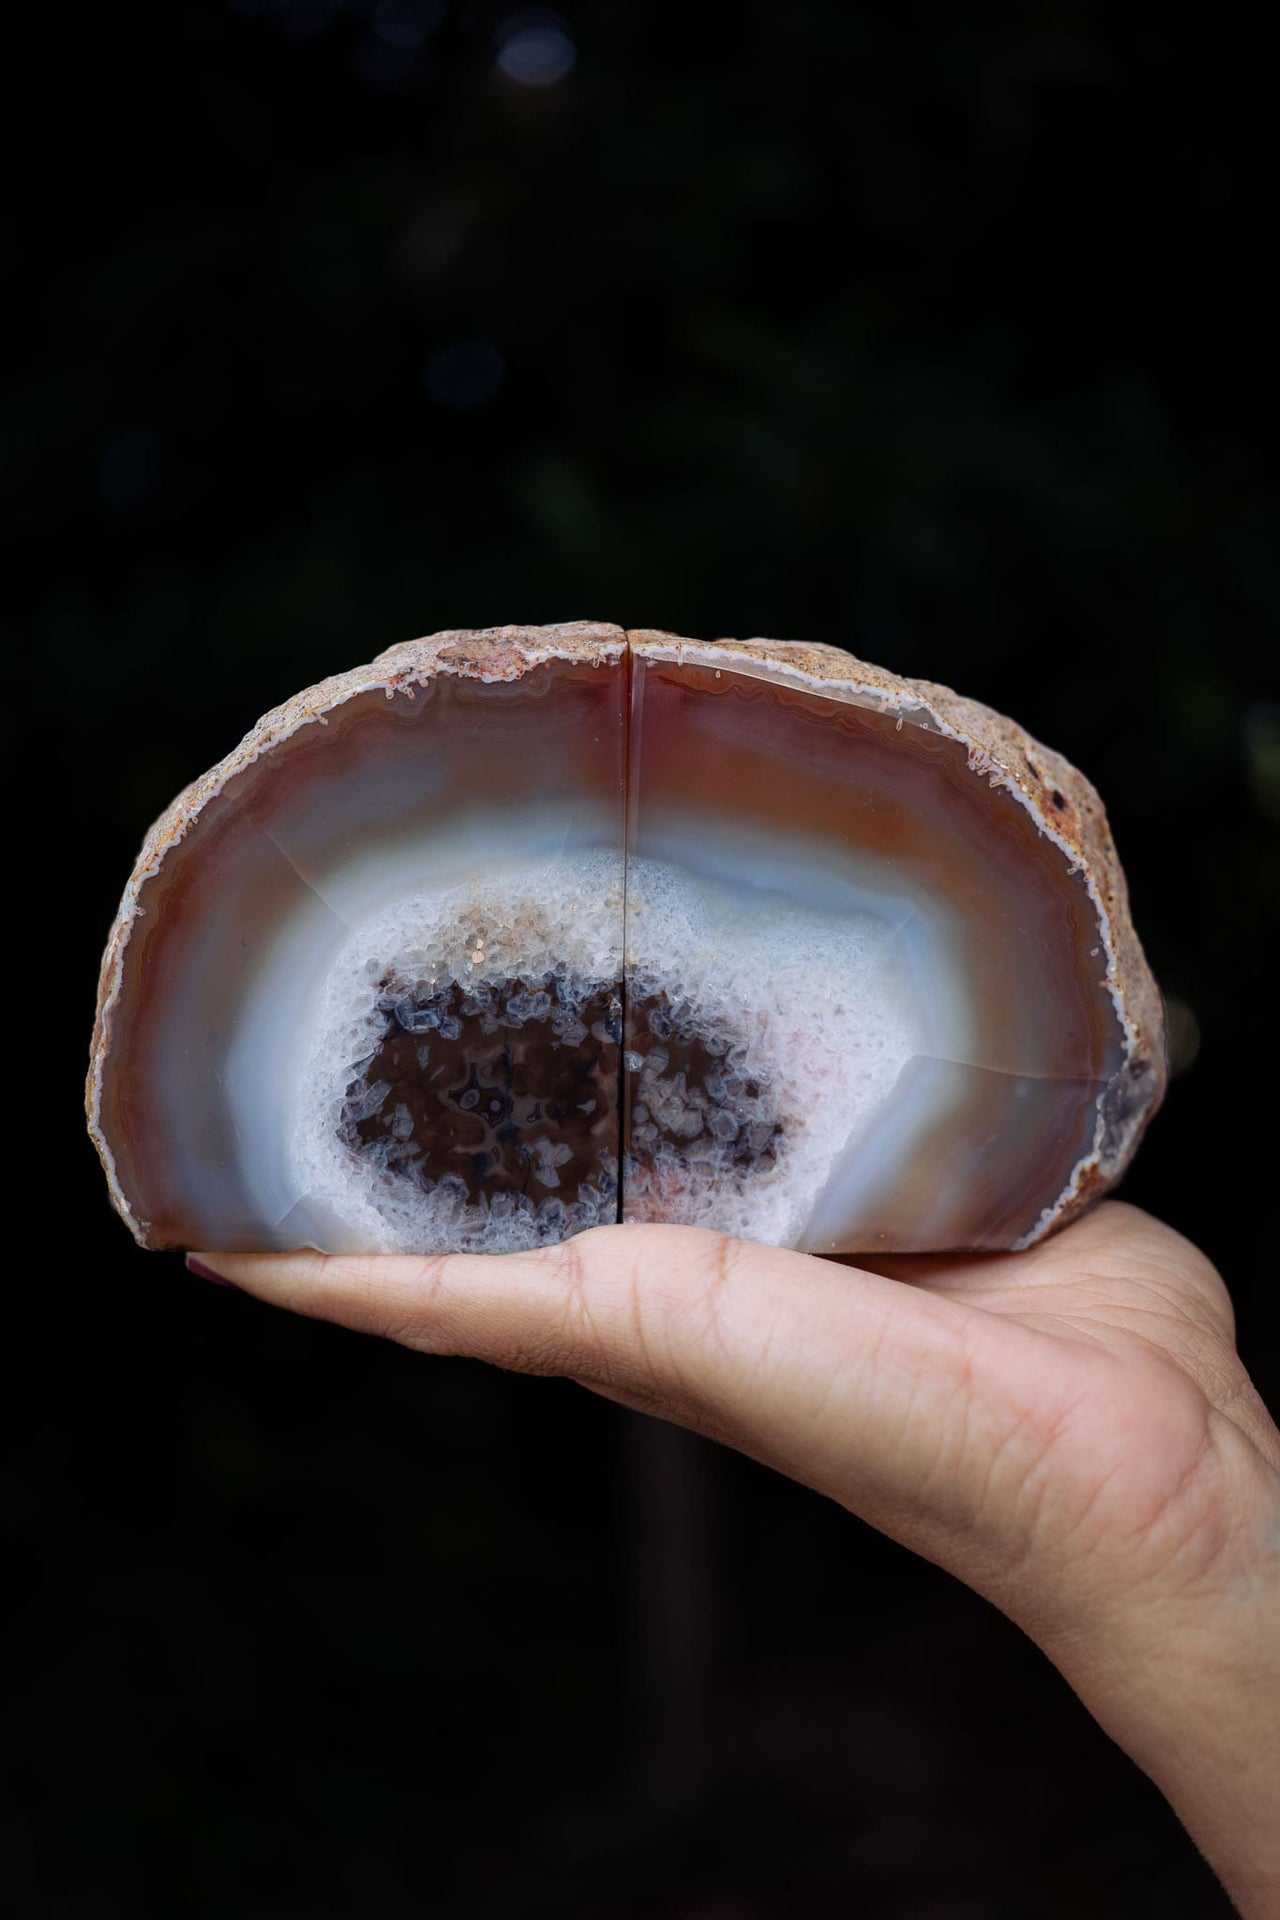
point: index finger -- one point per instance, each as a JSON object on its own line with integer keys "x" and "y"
{"x": 890, "y": 1399}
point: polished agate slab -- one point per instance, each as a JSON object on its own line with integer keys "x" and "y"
{"x": 515, "y": 933}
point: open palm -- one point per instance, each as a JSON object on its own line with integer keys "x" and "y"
{"x": 1068, "y": 1430}
{"x": 1122, "y": 1437}
{"x": 1078, "y": 1411}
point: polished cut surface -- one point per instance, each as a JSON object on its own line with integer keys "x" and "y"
{"x": 514, "y": 933}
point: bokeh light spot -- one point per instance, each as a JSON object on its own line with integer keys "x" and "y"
{"x": 536, "y": 50}
{"x": 1184, "y": 1034}
{"x": 1262, "y": 755}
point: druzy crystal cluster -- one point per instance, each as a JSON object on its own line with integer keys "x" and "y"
{"x": 517, "y": 932}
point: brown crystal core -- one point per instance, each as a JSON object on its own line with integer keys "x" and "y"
{"x": 513, "y": 1086}
{"x": 507, "y": 1086}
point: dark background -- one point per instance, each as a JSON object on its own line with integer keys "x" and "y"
{"x": 944, "y": 333}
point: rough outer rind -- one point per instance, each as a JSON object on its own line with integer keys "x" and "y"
{"x": 1064, "y": 805}
{"x": 487, "y": 654}
{"x": 1067, "y": 810}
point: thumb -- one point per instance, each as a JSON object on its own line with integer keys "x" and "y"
{"x": 896, "y": 1402}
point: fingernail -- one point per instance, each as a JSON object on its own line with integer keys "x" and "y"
{"x": 207, "y": 1273}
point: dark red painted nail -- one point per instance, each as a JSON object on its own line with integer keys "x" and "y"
{"x": 207, "y": 1273}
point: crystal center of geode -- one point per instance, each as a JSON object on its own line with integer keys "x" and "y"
{"x": 481, "y": 1053}
{"x": 513, "y": 1086}
{"x": 496, "y": 1087}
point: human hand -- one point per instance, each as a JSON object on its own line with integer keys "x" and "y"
{"x": 1070, "y": 1431}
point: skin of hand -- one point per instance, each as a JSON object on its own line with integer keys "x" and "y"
{"x": 1069, "y": 1431}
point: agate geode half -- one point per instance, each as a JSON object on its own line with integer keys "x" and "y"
{"x": 516, "y": 932}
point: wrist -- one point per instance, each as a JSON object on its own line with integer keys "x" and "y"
{"x": 1188, "y": 1684}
